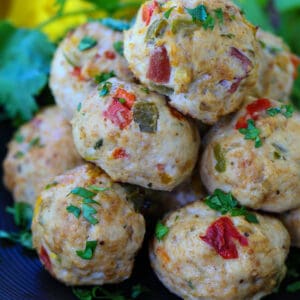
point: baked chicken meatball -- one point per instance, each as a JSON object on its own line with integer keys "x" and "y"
{"x": 135, "y": 137}
{"x": 85, "y": 53}
{"x": 40, "y": 150}
{"x": 199, "y": 53}
{"x": 291, "y": 220}
{"x": 204, "y": 255}
{"x": 276, "y": 67}
{"x": 84, "y": 229}
{"x": 255, "y": 155}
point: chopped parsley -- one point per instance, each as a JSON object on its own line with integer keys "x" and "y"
{"x": 161, "y": 231}
{"x": 79, "y": 106}
{"x": 86, "y": 43}
{"x": 50, "y": 185}
{"x": 104, "y": 76}
{"x": 285, "y": 110}
{"x": 19, "y": 138}
{"x": 225, "y": 203}
{"x": 98, "y": 188}
{"x": 145, "y": 90}
{"x": 76, "y": 211}
{"x": 252, "y": 133}
{"x": 89, "y": 250}
{"x": 117, "y": 25}
{"x": 105, "y": 89}
{"x": 122, "y": 100}
{"x": 88, "y": 212}
{"x": 119, "y": 47}
{"x": 198, "y": 13}
{"x": 36, "y": 142}
{"x": 82, "y": 192}
{"x": 219, "y": 15}
{"x": 98, "y": 144}
{"x": 168, "y": 12}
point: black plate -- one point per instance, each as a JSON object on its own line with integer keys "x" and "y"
{"x": 22, "y": 276}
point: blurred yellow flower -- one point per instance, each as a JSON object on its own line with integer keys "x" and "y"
{"x": 34, "y": 12}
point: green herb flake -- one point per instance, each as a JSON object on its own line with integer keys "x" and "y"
{"x": 122, "y": 100}
{"x": 156, "y": 29}
{"x": 98, "y": 144}
{"x": 145, "y": 90}
{"x": 104, "y": 76}
{"x": 82, "y": 192}
{"x": 86, "y": 43}
{"x": 225, "y": 203}
{"x": 228, "y": 35}
{"x": 89, "y": 250}
{"x": 24, "y": 238}
{"x": 285, "y": 110}
{"x": 19, "y": 154}
{"x": 209, "y": 23}
{"x": 89, "y": 201}
{"x": 88, "y": 212}
{"x": 19, "y": 138}
{"x": 146, "y": 114}
{"x": 117, "y": 25}
{"x": 97, "y": 189}
{"x": 220, "y": 158}
{"x": 119, "y": 47}
{"x": 198, "y": 13}
{"x": 105, "y": 89}
{"x": 252, "y": 133}
{"x": 168, "y": 12}
{"x": 76, "y": 211}
{"x": 161, "y": 231}
{"x": 79, "y": 106}
{"x": 293, "y": 287}
{"x": 50, "y": 185}
{"x": 22, "y": 213}
{"x": 35, "y": 142}
{"x": 220, "y": 15}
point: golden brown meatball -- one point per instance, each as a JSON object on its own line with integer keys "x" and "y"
{"x": 200, "y": 254}
{"x": 199, "y": 53}
{"x": 87, "y": 52}
{"x": 256, "y": 156}
{"x": 40, "y": 150}
{"x": 135, "y": 136}
{"x": 84, "y": 229}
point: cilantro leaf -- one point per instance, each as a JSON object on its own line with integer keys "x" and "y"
{"x": 161, "y": 231}
{"x": 88, "y": 212}
{"x": 285, "y": 110}
{"x": 293, "y": 287}
{"x": 225, "y": 203}
{"x": 220, "y": 15}
{"x": 76, "y": 211}
{"x": 87, "y": 42}
{"x": 98, "y": 144}
{"x": 117, "y": 25}
{"x": 119, "y": 47}
{"x": 96, "y": 189}
{"x": 25, "y": 57}
{"x": 198, "y": 13}
{"x": 82, "y": 192}
{"x": 104, "y": 76}
{"x": 88, "y": 252}
{"x": 22, "y": 213}
{"x": 168, "y": 12}
{"x": 105, "y": 89}
{"x": 252, "y": 133}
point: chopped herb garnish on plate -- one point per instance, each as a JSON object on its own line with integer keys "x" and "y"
{"x": 76, "y": 211}
{"x": 105, "y": 89}
{"x": 252, "y": 133}
{"x": 161, "y": 231}
{"x": 82, "y": 192}
{"x": 86, "y": 43}
{"x": 285, "y": 110}
{"x": 168, "y": 12}
{"x": 104, "y": 76}
{"x": 89, "y": 250}
{"x": 119, "y": 47}
{"x": 225, "y": 203}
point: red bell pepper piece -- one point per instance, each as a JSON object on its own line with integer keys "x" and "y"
{"x": 148, "y": 10}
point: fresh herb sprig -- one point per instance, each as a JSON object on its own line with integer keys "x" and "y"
{"x": 285, "y": 110}
{"x": 225, "y": 203}
{"x": 161, "y": 230}
{"x": 252, "y": 133}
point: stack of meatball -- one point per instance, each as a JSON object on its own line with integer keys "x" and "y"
{"x": 131, "y": 109}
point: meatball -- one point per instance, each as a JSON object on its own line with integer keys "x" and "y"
{"x": 40, "y": 150}
{"x": 248, "y": 263}
{"x": 255, "y": 155}
{"x": 84, "y": 229}
{"x": 276, "y": 69}
{"x": 291, "y": 220}
{"x": 199, "y": 53}
{"x": 82, "y": 57}
{"x": 135, "y": 137}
